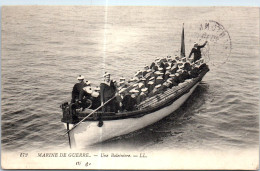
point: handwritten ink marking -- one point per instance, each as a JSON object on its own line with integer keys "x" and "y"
{"x": 23, "y": 154}
{"x": 78, "y": 163}
{"x": 87, "y": 164}
{"x": 219, "y": 41}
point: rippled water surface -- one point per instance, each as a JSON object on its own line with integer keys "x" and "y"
{"x": 44, "y": 48}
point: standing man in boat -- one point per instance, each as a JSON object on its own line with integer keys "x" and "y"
{"x": 196, "y": 51}
{"x": 77, "y": 88}
{"x": 107, "y": 91}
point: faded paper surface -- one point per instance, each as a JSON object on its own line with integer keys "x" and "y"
{"x": 44, "y": 49}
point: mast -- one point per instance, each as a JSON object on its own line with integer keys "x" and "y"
{"x": 182, "y": 43}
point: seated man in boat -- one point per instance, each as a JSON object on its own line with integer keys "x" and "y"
{"x": 95, "y": 98}
{"x": 196, "y": 51}
{"x": 122, "y": 82}
{"x": 155, "y": 91}
{"x": 77, "y": 88}
{"x": 107, "y": 91}
{"x": 150, "y": 84}
{"x": 85, "y": 96}
{"x": 119, "y": 98}
{"x": 129, "y": 101}
{"x": 158, "y": 80}
{"x": 145, "y": 71}
{"x": 142, "y": 96}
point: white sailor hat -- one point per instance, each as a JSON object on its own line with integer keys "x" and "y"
{"x": 146, "y": 66}
{"x": 135, "y": 85}
{"x": 140, "y": 85}
{"x": 80, "y": 77}
{"x": 131, "y": 80}
{"x": 157, "y": 72}
{"x": 106, "y": 74}
{"x": 167, "y": 73}
{"x": 121, "y": 78}
{"x": 94, "y": 94}
{"x": 144, "y": 89}
{"x": 160, "y": 68}
{"x": 158, "y": 86}
{"x": 179, "y": 71}
{"x": 177, "y": 74}
{"x": 157, "y": 59}
{"x": 149, "y": 70}
{"x": 88, "y": 89}
{"x": 151, "y": 78}
{"x": 143, "y": 79}
{"x": 172, "y": 75}
{"x": 159, "y": 78}
{"x": 196, "y": 44}
{"x": 169, "y": 80}
{"x": 134, "y": 91}
{"x": 151, "y": 82}
{"x": 181, "y": 67}
{"x": 179, "y": 63}
{"x": 168, "y": 68}
{"x": 88, "y": 82}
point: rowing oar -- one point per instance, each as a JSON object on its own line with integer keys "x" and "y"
{"x": 97, "y": 109}
{"x": 68, "y": 134}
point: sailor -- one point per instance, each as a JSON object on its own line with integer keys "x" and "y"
{"x": 174, "y": 68}
{"x": 194, "y": 71}
{"x": 196, "y": 51}
{"x": 122, "y": 83}
{"x": 86, "y": 91}
{"x": 177, "y": 58}
{"x": 167, "y": 75}
{"x": 155, "y": 91}
{"x": 95, "y": 98}
{"x": 154, "y": 67}
{"x": 107, "y": 91}
{"x": 129, "y": 101}
{"x": 159, "y": 80}
{"x": 142, "y": 96}
{"x": 151, "y": 85}
{"x": 85, "y": 100}
{"x": 174, "y": 79}
{"x": 187, "y": 66}
{"x": 122, "y": 93}
{"x": 146, "y": 68}
{"x": 77, "y": 88}
{"x": 166, "y": 85}
{"x": 138, "y": 74}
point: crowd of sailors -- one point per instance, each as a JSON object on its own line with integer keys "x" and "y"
{"x": 161, "y": 75}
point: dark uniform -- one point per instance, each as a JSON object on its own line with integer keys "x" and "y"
{"x": 106, "y": 93}
{"x": 95, "y": 102}
{"x": 197, "y": 52}
{"x": 77, "y": 88}
{"x": 128, "y": 103}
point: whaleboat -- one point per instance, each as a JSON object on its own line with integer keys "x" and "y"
{"x": 89, "y": 127}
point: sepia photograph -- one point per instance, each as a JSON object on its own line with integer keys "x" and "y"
{"x": 129, "y": 87}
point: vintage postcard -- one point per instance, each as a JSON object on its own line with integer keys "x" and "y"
{"x": 130, "y": 87}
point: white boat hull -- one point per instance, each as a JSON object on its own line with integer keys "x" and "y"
{"x": 88, "y": 133}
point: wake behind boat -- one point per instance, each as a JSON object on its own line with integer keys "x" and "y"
{"x": 165, "y": 86}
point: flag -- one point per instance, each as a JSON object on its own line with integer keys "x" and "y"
{"x": 182, "y": 43}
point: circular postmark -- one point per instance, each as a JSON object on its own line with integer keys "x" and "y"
{"x": 218, "y": 49}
